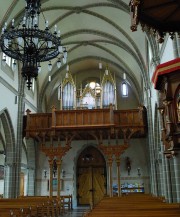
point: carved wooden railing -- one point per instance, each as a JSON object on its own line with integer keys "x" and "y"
{"x": 83, "y": 120}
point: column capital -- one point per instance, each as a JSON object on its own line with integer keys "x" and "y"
{"x": 110, "y": 160}
{"x": 118, "y": 161}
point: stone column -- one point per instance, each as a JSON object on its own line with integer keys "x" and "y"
{"x": 176, "y": 180}
{"x": 118, "y": 176}
{"x": 31, "y": 150}
{"x": 19, "y": 140}
{"x": 30, "y": 185}
{"x": 168, "y": 181}
{"x": 51, "y": 177}
{"x": 58, "y": 161}
{"x": 110, "y": 160}
{"x": 9, "y": 173}
{"x": 164, "y": 177}
{"x": 178, "y": 44}
{"x": 175, "y": 47}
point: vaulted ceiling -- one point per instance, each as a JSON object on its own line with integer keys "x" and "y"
{"x": 93, "y": 31}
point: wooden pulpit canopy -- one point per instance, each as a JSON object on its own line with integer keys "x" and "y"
{"x": 166, "y": 69}
{"x": 162, "y": 16}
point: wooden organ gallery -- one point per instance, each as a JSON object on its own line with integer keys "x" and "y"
{"x": 104, "y": 135}
{"x": 91, "y": 113}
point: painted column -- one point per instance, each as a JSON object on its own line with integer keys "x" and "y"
{"x": 51, "y": 177}
{"x": 110, "y": 160}
{"x": 118, "y": 176}
{"x": 58, "y": 161}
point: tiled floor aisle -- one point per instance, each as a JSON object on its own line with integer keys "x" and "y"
{"x": 76, "y": 212}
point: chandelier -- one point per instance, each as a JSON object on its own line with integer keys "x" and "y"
{"x": 30, "y": 45}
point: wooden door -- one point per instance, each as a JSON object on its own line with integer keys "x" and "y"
{"x": 91, "y": 176}
{"x": 91, "y": 186}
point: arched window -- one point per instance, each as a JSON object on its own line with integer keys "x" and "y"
{"x": 124, "y": 89}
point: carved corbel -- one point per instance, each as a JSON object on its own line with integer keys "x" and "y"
{"x": 134, "y": 9}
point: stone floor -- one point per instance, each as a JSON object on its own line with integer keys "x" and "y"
{"x": 76, "y": 212}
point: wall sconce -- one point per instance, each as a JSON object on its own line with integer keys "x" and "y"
{"x": 63, "y": 173}
{"x": 128, "y": 165}
{"x": 139, "y": 172}
{"x": 45, "y": 174}
{"x": 54, "y": 168}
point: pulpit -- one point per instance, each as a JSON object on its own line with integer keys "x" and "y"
{"x": 166, "y": 80}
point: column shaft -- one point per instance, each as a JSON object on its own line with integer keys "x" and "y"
{"x": 51, "y": 178}
{"x": 110, "y": 176}
{"x": 118, "y": 177}
{"x": 59, "y": 177}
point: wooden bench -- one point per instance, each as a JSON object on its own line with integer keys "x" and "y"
{"x": 29, "y": 206}
{"x": 134, "y": 206}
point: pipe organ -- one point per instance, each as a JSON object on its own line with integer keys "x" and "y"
{"x": 91, "y": 96}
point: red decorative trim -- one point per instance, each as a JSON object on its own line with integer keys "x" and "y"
{"x": 165, "y": 68}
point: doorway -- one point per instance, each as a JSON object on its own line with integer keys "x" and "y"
{"x": 91, "y": 176}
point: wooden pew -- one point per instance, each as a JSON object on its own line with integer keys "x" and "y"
{"x": 28, "y": 206}
{"x": 134, "y": 206}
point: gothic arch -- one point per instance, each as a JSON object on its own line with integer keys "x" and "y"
{"x": 9, "y": 150}
{"x": 9, "y": 135}
{"x": 91, "y": 176}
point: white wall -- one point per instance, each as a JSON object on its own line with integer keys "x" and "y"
{"x": 167, "y": 54}
{"x": 137, "y": 151}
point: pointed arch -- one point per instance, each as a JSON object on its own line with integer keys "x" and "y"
{"x": 10, "y": 153}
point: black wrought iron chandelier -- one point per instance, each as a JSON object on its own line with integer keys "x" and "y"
{"x": 30, "y": 45}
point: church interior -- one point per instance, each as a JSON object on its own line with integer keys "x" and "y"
{"x": 90, "y": 107}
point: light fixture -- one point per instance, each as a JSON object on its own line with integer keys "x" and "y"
{"x": 139, "y": 172}
{"x": 106, "y": 70}
{"x": 63, "y": 173}
{"x": 92, "y": 85}
{"x": 54, "y": 167}
{"x": 59, "y": 63}
{"x": 25, "y": 42}
{"x": 14, "y": 65}
{"x": 100, "y": 65}
{"x": 124, "y": 76}
{"x": 88, "y": 158}
{"x": 128, "y": 165}
{"x": 45, "y": 174}
{"x": 67, "y": 68}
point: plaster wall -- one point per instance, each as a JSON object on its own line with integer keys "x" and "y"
{"x": 167, "y": 54}
{"x": 8, "y": 102}
{"x": 137, "y": 152}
